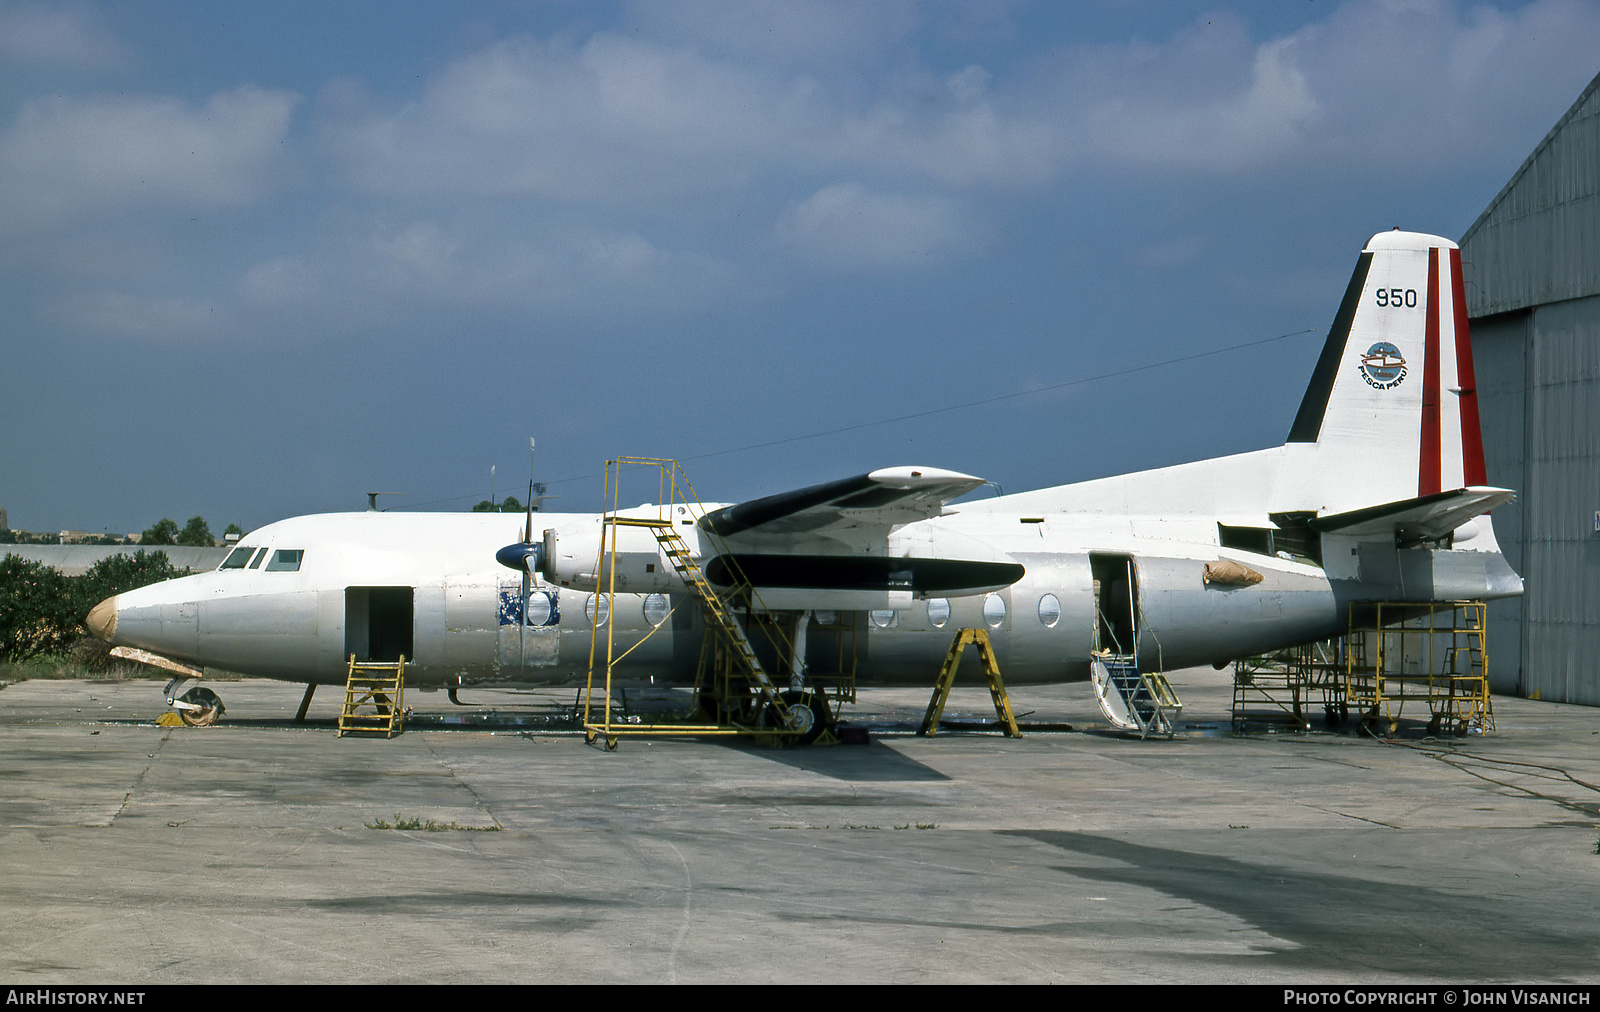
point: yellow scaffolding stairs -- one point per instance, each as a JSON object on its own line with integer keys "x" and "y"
{"x": 374, "y": 698}
{"x": 947, "y": 676}
{"x": 1437, "y": 657}
{"x": 728, "y": 648}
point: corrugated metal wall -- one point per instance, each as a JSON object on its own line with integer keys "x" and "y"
{"x": 1536, "y": 243}
{"x": 1532, "y": 264}
{"x": 1562, "y": 608}
{"x": 1499, "y": 347}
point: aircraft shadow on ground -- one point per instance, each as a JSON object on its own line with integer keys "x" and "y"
{"x": 862, "y": 763}
{"x": 1342, "y": 921}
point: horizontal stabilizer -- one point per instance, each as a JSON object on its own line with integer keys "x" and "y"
{"x": 1425, "y": 518}
{"x": 884, "y": 498}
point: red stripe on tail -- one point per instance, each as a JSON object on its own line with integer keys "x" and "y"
{"x": 1428, "y": 470}
{"x": 1474, "y": 473}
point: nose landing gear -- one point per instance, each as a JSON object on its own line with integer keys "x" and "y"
{"x": 199, "y": 707}
{"x": 205, "y": 707}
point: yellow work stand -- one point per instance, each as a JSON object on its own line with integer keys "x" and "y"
{"x": 380, "y": 686}
{"x": 947, "y": 677}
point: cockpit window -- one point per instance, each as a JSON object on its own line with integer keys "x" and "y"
{"x": 237, "y": 558}
{"x": 256, "y": 562}
{"x": 286, "y": 560}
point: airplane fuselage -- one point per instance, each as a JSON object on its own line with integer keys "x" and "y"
{"x": 426, "y": 585}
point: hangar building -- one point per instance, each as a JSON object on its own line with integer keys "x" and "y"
{"x": 1532, "y": 269}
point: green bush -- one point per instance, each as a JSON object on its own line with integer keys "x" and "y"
{"x": 37, "y": 612}
{"x": 42, "y": 612}
{"x": 116, "y": 574}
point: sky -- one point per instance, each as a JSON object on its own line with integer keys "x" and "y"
{"x": 257, "y": 260}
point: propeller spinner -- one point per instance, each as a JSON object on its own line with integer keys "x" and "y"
{"x": 527, "y": 555}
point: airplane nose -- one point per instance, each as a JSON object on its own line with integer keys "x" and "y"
{"x": 102, "y": 619}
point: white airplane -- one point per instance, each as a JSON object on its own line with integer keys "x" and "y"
{"x": 1378, "y": 494}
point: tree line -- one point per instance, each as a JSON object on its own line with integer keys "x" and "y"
{"x": 195, "y": 534}
{"x": 42, "y": 612}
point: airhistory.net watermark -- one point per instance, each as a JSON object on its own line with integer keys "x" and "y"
{"x": 58, "y": 996}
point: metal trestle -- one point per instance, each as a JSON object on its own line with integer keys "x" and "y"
{"x": 947, "y": 676}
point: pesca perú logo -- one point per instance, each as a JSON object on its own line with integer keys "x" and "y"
{"x": 1383, "y": 366}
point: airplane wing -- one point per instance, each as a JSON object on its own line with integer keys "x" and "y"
{"x": 1425, "y": 518}
{"x": 883, "y": 498}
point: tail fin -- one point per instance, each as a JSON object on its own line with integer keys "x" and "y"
{"x": 1392, "y": 410}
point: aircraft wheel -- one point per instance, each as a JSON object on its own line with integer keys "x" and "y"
{"x": 211, "y": 708}
{"x": 706, "y": 708}
{"x": 808, "y": 715}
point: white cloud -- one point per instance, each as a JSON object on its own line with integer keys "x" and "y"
{"x": 812, "y": 35}
{"x": 621, "y": 122}
{"x": 391, "y": 272}
{"x": 847, "y": 226}
{"x": 1407, "y": 86}
{"x": 1383, "y": 84}
{"x": 159, "y": 319}
{"x": 51, "y": 36}
{"x": 1264, "y": 119}
{"x": 67, "y": 156}
{"x": 282, "y": 280}
{"x": 613, "y": 122}
{"x": 682, "y": 167}
{"x": 702, "y": 107}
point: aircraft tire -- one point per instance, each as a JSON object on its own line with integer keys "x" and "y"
{"x": 815, "y": 716}
{"x": 210, "y": 704}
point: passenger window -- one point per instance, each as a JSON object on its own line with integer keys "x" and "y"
{"x": 994, "y": 610}
{"x": 656, "y": 609}
{"x": 237, "y": 559}
{"x": 1049, "y": 610}
{"x": 938, "y": 611}
{"x": 286, "y": 560}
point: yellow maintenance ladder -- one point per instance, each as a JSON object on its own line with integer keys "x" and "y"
{"x": 374, "y": 698}
{"x": 947, "y": 676}
{"x": 727, "y": 650}
{"x": 1399, "y": 652}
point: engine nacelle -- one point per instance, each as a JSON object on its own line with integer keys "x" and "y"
{"x": 573, "y": 558}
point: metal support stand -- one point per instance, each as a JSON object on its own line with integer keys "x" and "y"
{"x": 947, "y": 676}
{"x": 1399, "y": 652}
